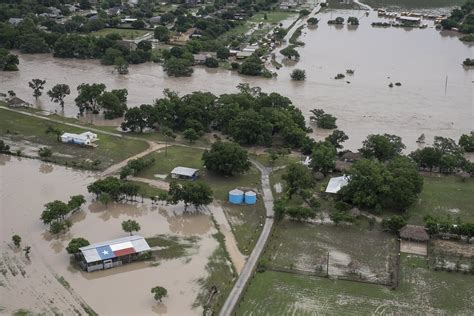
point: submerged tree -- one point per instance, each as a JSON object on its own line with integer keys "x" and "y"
{"x": 58, "y": 93}
{"x": 37, "y": 85}
{"x": 159, "y": 293}
{"x": 130, "y": 226}
{"x": 298, "y": 75}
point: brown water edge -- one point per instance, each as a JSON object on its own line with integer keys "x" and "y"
{"x": 419, "y": 59}
{"x": 24, "y": 189}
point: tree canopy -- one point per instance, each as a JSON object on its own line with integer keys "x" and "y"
{"x": 383, "y": 147}
{"x": 226, "y": 158}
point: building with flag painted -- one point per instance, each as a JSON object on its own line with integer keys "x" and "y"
{"x": 112, "y": 253}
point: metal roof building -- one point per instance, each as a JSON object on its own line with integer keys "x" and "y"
{"x": 184, "y": 173}
{"x": 111, "y": 253}
{"x": 335, "y": 184}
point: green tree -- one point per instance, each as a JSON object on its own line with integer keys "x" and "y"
{"x": 168, "y": 134}
{"x": 54, "y": 130}
{"x": 8, "y": 62}
{"x": 466, "y": 141}
{"x": 138, "y": 24}
{"x": 159, "y": 293}
{"x": 297, "y": 178}
{"x": 323, "y": 157}
{"x": 88, "y": 97}
{"x": 222, "y": 52}
{"x": 16, "y": 240}
{"x": 352, "y": 20}
{"x": 252, "y": 66}
{"x": 298, "y": 75}
{"x": 58, "y": 93}
{"x": 290, "y": 52}
{"x": 111, "y": 104}
{"x": 340, "y": 216}
{"x": 105, "y": 198}
{"x": 75, "y": 244}
{"x": 110, "y": 55}
{"x": 211, "y": 62}
{"x": 162, "y": 33}
{"x": 121, "y": 65}
{"x": 394, "y": 223}
{"x": 226, "y": 158}
{"x": 190, "y": 134}
{"x": 178, "y": 67}
{"x": 45, "y": 152}
{"x": 27, "y": 251}
{"x": 134, "y": 120}
{"x": 76, "y": 201}
{"x": 130, "y": 226}
{"x": 300, "y": 213}
{"x": 336, "y": 138}
{"x": 37, "y": 85}
{"x": 312, "y": 21}
{"x": 323, "y": 120}
{"x": 383, "y": 147}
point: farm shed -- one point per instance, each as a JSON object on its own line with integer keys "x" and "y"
{"x": 184, "y": 173}
{"x": 112, "y": 253}
{"x": 86, "y": 138}
{"x": 414, "y": 240}
{"x": 335, "y": 184}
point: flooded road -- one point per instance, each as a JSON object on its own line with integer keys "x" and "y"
{"x": 26, "y": 185}
{"x": 420, "y": 59}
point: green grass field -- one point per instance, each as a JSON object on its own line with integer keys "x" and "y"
{"x": 125, "y": 33}
{"x": 422, "y": 292}
{"x": 305, "y": 247}
{"x": 444, "y": 196}
{"x": 22, "y": 129}
{"x": 273, "y": 17}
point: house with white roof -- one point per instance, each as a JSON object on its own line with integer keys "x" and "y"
{"x": 86, "y": 138}
{"x": 336, "y": 184}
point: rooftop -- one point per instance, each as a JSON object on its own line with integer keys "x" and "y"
{"x": 114, "y": 248}
{"x": 336, "y": 184}
{"x": 414, "y": 232}
{"x": 184, "y": 171}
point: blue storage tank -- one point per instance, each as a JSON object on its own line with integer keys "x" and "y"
{"x": 236, "y": 196}
{"x": 250, "y": 197}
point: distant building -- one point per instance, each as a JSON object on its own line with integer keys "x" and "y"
{"x": 243, "y": 55}
{"x": 336, "y": 184}
{"x": 15, "y": 21}
{"x": 112, "y": 253}
{"x": 414, "y": 240}
{"x": 86, "y": 138}
{"x": 184, "y": 173}
{"x": 155, "y": 20}
{"x": 15, "y": 102}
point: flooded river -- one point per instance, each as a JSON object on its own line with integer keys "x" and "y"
{"x": 420, "y": 59}
{"x": 26, "y": 185}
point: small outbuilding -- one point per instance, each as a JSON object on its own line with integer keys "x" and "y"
{"x": 86, "y": 138}
{"x": 15, "y": 102}
{"x": 337, "y": 183}
{"x": 184, "y": 173}
{"x": 414, "y": 240}
{"x": 112, "y": 253}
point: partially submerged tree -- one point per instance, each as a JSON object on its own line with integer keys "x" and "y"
{"x": 159, "y": 293}
{"x": 130, "y": 226}
{"x": 75, "y": 244}
{"x": 58, "y": 93}
{"x": 16, "y": 239}
{"x": 336, "y": 138}
{"x": 37, "y": 85}
{"x": 323, "y": 120}
{"x": 298, "y": 75}
{"x": 383, "y": 147}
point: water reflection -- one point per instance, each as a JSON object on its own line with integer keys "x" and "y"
{"x": 189, "y": 223}
{"x": 46, "y": 168}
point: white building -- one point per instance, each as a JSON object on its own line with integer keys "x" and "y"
{"x": 336, "y": 184}
{"x": 86, "y": 138}
{"x": 184, "y": 173}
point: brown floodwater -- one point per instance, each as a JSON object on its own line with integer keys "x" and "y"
{"x": 26, "y": 185}
{"x": 421, "y": 59}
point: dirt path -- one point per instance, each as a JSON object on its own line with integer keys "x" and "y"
{"x": 229, "y": 306}
{"x": 238, "y": 259}
{"x": 160, "y": 184}
{"x": 114, "y": 168}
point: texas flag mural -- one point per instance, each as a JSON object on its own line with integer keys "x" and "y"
{"x": 115, "y": 250}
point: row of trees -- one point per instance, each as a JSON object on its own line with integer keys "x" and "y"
{"x": 190, "y": 193}
{"x": 436, "y": 226}
{"x": 55, "y": 213}
{"x": 250, "y": 117}
{"x": 57, "y": 93}
{"x": 113, "y": 189}
{"x": 134, "y": 166}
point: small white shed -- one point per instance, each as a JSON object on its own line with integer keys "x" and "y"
{"x": 337, "y": 183}
{"x": 184, "y": 173}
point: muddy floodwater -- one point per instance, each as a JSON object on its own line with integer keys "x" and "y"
{"x": 26, "y": 185}
{"x": 422, "y": 60}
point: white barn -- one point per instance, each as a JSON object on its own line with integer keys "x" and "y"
{"x": 184, "y": 173}
{"x": 86, "y": 138}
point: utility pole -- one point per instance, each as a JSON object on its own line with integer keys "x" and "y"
{"x": 327, "y": 266}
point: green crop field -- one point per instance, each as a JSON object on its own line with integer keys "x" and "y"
{"x": 422, "y": 292}
{"x": 23, "y": 130}
{"x": 444, "y": 196}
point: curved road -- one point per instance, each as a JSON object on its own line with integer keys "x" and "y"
{"x": 247, "y": 271}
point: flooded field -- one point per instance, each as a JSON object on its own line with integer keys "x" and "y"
{"x": 26, "y": 185}
{"x": 420, "y": 59}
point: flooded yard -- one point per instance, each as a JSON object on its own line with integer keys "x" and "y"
{"x": 422, "y": 60}
{"x": 26, "y": 185}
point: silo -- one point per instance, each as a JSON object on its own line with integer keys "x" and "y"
{"x": 250, "y": 197}
{"x": 236, "y": 196}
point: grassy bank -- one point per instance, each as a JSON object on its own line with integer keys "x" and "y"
{"x": 422, "y": 292}
{"x": 30, "y": 132}
{"x": 444, "y": 196}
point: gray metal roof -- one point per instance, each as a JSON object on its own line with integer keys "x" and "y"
{"x": 184, "y": 171}
{"x": 335, "y": 184}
